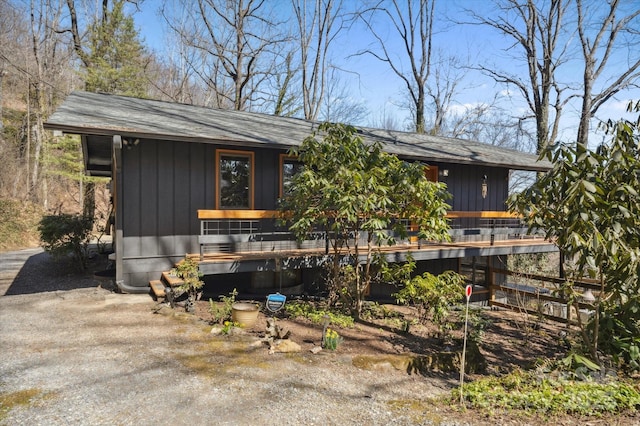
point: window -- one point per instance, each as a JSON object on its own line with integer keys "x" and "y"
{"x": 474, "y": 269}
{"x": 234, "y": 189}
{"x": 289, "y": 166}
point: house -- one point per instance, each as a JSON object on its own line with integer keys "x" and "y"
{"x": 188, "y": 179}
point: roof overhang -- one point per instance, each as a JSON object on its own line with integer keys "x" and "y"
{"x": 99, "y": 117}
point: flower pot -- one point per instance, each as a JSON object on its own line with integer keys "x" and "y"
{"x": 245, "y": 314}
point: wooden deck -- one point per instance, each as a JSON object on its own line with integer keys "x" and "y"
{"x": 247, "y": 240}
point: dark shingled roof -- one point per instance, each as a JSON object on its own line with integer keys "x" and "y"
{"x": 96, "y": 115}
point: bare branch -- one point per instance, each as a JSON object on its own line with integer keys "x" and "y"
{"x": 415, "y": 32}
{"x": 596, "y": 56}
{"x": 536, "y": 29}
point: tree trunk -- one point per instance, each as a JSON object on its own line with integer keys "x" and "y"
{"x": 582, "y": 140}
{"x": 358, "y": 274}
{"x": 420, "y": 126}
{"x": 89, "y": 200}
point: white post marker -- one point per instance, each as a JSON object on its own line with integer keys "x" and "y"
{"x": 468, "y": 292}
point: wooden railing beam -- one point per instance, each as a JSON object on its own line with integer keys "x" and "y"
{"x": 271, "y": 214}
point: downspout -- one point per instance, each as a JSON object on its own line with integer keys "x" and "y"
{"x": 117, "y": 199}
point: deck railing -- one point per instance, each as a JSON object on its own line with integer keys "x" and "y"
{"x": 259, "y": 230}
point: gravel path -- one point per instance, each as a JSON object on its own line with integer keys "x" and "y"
{"x": 76, "y": 354}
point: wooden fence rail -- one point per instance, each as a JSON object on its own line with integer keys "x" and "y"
{"x": 536, "y": 300}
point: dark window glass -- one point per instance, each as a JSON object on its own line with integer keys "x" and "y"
{"x": 235, "y": 175}
{"x": 289, "y": 168}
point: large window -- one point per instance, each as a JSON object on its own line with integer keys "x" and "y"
{"x": 289, "y": 166}
{"x": 234, "y": 189}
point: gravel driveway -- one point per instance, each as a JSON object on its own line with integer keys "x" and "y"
{"x": 87, "y": 356}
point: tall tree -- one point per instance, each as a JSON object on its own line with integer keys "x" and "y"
{"x": 537, "y": 29}
{"x": 339, "y": 106}
{"x": 45, "y": 70}
{"x": 112, "y": 54}
{"x": 235, "y": 44}
{"x": 113, "y": 60}
{"x": 318, "y": 24}
{"x": 442, "y": 88}
{"x": 8, "y": 21}
{"x": 286, "y": 102}
{"x": 413, "y": 23}
{"x": 601, "y": 37}
{"x": 14, "y": 56}
{"x": 116, "y": 57}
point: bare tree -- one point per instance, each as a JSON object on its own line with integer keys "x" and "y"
{"x": 49, "y": 61}
{"x": 442, "y": 87}
{"x": 170, "y": 73}
{"x": 339, "y": 105}
{"x": 318, "y": 24}
{"x": 384, "y": 120}
{"x": 6, "y": 22}
{"x": 13, "y": 44}
{"x": 234, "y": 44}
{"x": 413, "y": 23}
{"x": 489, "y": 123}
{"x": 600, "y": 38}
{"x": 287, "y": 102}
{"x": 171, "y": 80}
{"x": 37, "y": 61}
{"x": 537, "y": 30}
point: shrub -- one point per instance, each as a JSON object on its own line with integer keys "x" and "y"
{"x": 65, "y": 234}
{"x": 432, "y": 295}
{"x": 221, "y": 312}
{"x": 620, "y": 333}
{"x": 187, "y": 270}
{"x": 299, "y": 309}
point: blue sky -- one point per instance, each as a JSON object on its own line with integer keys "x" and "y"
{"x": 371, "y": 82}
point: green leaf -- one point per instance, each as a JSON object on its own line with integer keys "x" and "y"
{"x": 588, "y": 186}
{"x": 579, "y": 359}
{"x": 616, "y": 227}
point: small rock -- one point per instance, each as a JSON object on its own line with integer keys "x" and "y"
{"x": 236, "y": 331}
{"x": 316, "y": 349}
{"x": 257, "y": 343}
{"x": 284, "y": 346}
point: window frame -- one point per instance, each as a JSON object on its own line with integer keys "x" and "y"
{"x": 250, "y": 155}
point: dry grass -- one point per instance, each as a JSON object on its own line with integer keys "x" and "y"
{"x": 19, "y": 224}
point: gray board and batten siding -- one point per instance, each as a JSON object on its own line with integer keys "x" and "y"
{"x": 168, "y": 182}
{"x": 167, "y": 167}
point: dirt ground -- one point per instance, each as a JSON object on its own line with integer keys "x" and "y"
{"x": 509, "y": 340}
{"x": 91, "y": 356}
